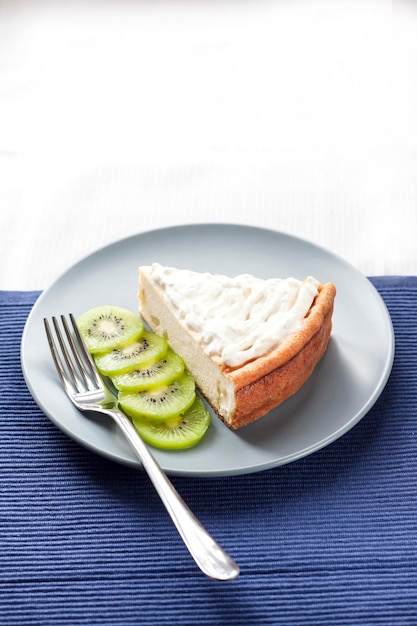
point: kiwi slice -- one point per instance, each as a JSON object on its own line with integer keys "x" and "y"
{"x": 182, "y": 431}
{"x": 107, "y": 327}
{"x": 133, "y": 355}
{"x": 162, "y": 402}
{"x": 155, "y": 374}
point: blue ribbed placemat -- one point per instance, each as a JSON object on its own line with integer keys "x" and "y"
{"x": 330, "y": 539}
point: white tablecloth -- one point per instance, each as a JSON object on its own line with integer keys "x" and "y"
{"x": 121, "y": 117}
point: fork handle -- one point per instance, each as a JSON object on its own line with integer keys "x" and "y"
{"x": 206, "y": 552}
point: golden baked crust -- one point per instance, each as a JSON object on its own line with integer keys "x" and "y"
{"x": 266, "y": 382}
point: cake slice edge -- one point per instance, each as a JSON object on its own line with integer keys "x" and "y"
{"x": 242, "y": 395}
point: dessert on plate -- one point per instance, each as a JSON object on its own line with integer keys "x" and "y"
{"x": 249, "y": 343}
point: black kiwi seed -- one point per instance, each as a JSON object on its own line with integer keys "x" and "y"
{"x": 140, "y": 346}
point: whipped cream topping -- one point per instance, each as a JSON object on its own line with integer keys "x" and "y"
{"x": 236, "y": 319}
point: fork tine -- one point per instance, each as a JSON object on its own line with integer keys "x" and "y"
{"x": 84, "y": 379}
{"x": 57, "y": 359}
{"x": 78, "y": 382}
{"x": 86, "y": 356}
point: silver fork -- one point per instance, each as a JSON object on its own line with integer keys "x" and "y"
{"x": 88, "y": 393}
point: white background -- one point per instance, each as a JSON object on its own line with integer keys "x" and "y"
{"x": 121, "y": 117}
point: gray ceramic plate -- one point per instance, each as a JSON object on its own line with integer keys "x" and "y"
{"x": 343, "y": 388}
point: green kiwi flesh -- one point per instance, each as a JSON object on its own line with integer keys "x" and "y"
{"x": 182, "y": 431}
{"x": 139, "y": 353}
{"x": 162, "y": 402}
{"x": 107, "y": 327}
{"x": 154, "y": 389}
{"x": 156, "y": 374}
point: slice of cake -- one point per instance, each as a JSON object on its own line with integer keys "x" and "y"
{"x": 249, "y": 343}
